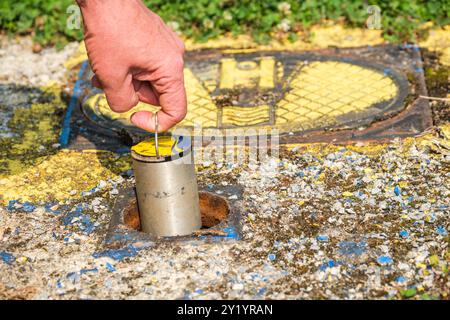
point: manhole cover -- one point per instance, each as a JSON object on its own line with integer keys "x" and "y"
{"x": 348, "y": 94}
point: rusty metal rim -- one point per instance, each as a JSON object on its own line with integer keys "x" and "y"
{"x": 118, "y": 232}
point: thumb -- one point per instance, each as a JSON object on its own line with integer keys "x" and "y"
{"x": 119, "y": 90}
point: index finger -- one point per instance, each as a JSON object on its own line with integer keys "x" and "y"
{"x": 173, "y": 109}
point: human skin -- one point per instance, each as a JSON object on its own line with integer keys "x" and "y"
{"x": 135, "y": 57}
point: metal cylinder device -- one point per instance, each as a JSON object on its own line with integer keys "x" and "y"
{"x": 166, "y": 186}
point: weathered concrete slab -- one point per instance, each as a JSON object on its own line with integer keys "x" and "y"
{"x": 364, "y": 220}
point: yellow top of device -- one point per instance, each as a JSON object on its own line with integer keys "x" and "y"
{"x": 167, "y": 146}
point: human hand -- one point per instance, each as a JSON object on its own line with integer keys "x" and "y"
{"x": 135, "y": 57}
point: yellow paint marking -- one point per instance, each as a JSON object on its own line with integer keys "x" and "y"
{"x": 438, "y": 40}
{"x": 167, "y": 146}
{"x": 267, "y": 70}
{"x": 227, "y": 68}
{"x": 62, "y": 176}
{"x": 35, "y": 126}
{"x": 201, "y": 108}
{"x": 99, "y": 105}
{"x": 245, "y": 116}
{"x": 325, "y": 90}
{"x": 321, "y": 36}
{"x": 247, "y": 74}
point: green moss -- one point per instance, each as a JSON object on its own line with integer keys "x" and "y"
{"x": 408, "y": 293}
{"x": 35, "y": 127}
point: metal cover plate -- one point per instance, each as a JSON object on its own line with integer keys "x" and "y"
{"x": 335, "y": 94}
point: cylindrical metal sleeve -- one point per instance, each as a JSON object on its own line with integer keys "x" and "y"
{"x": 167, "y": 194}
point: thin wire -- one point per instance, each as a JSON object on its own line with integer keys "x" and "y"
{"x": 435, "y": 98}
{"x": 156, "y": 134}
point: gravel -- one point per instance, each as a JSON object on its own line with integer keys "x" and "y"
{"x": 21, "y": 65}
{"x": 329, "y": 224}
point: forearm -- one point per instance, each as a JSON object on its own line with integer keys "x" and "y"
{"x": 84, "y": 4}
{"x": 103, "y": 16}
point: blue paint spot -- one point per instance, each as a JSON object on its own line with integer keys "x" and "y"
{"x": 261, "y": 291}
{"x": 84, "y": 222}
{"x": 59, "y": 284}
{"x": 83, "y": 271}
{"x": 409, "y": 46}
{"x": 404, "y": 234}
{"x": 11, "y": 203}
{"x": 401, "y": 279}
{"x": 127, "y": 173}
{"x": 432, "y": 218}
{"x": 73, "y": 276}
{"x": 352, "y": 248}
{"x": 322, "y": 238}
{"x": 7, "y": 257}
{"x": 231, "y": 232}
{"x": 387, "y": 71}
{"x": 28, "y": 207}
{"x": 91, "y": 191}
{"x": 119, "y": 237}
{"x": 122, "y": 150}
{"x": 271, "y": 257}
{"x": 397, "y": 191}
{"x": 48, "y": 208}
{"x": 65, "y": 130}
{"x": 199, "y": 291}
{"x": 117, "y": 254}
{"x": 328, "y": 264}
{"x": 384, "y": 260}
{"x": 110, "y": 267}
{"x": 300, "y": 174}
{"x": 187, "y": 295}
{"x": 441, "y": 231}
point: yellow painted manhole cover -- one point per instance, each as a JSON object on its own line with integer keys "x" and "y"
{"x": 296, "y": 93}
{"x": 257, "y": 91}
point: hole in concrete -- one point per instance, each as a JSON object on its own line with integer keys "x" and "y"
{"x": 214, "y": 209}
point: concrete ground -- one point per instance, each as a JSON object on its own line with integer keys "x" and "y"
{"x": 323, "y": 221}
